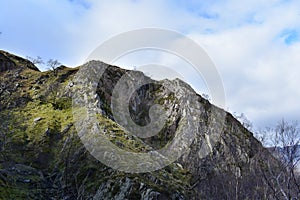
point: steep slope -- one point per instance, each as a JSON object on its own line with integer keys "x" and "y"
{"x": 42, "y": 156}
{"x": 9, "y": 62}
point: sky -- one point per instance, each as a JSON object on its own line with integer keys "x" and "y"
{"x": 254, "y": 44}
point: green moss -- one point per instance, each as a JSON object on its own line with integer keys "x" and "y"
{"x": 50, "y": 119}
{"x": 117, "y": 135}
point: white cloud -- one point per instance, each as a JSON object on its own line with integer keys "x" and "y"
{"x": 258, "y": 68}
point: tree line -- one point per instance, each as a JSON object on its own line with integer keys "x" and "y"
{"x": 283, "y": 141}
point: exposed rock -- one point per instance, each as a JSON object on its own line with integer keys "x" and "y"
{"x": 5, "y": 63}
{"x": 37, "y": 119}
{"x": 12, "y": 62}
{"x": 47, "y": 160}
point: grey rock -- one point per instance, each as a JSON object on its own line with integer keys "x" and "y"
{"x": 37, "y": 119}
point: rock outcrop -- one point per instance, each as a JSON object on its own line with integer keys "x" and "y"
{"x": 11, "y": 62}
{"x": 42, "y": 156}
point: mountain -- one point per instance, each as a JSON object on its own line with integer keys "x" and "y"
{"x": 43, "y": 154}
{"x": 9, "y": 62}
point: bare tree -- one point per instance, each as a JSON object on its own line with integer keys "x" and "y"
{"x": 285, "y": 141}
{"x": 244, "y": 120}
{"x": 53, "y": 65}
{"x": 206, "y": 96}
{"x": 36, "y": 61}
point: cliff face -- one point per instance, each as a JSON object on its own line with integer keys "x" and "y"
{"x": 42, "y": 156}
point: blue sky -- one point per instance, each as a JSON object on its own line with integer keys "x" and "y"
{"x": 255, "y": 46}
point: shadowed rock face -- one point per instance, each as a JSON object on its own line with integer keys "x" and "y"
{"x": 45, "y": 158}
{"x": 12, "y": 62}
{"x": 6, "y": 63}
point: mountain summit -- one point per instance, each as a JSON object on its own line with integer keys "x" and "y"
{"x": 43, "y": 155}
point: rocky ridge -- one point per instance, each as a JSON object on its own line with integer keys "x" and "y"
{"x": 42, "y": 156}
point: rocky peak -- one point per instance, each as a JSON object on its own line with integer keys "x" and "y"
{"x": 43, "y": 157}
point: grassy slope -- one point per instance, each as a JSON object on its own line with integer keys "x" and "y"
{"x": 41, "y": 153}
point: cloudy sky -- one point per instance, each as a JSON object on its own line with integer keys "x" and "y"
{"x": 255, "y": 46}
